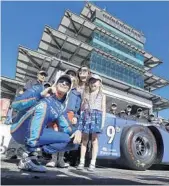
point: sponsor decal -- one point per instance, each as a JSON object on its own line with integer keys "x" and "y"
{"x": 108, "y": 153}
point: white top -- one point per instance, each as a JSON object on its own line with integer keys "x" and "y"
{"x": 93, "y": 101}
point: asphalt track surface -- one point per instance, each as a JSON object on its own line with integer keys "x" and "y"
{"x": 110, "y": 175}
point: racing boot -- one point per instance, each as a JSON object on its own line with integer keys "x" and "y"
{"x": 29, "y": 162}
{"x": 53, "y": 161}
{"x": 61, "y": 163}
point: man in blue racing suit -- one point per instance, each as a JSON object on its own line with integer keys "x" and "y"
{"x": 30, "y": 91}
{"x": 31, "y": 128}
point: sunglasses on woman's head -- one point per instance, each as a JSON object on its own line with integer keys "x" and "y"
{"x": 83, "y": 70}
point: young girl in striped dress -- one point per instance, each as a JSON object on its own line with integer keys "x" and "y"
{"x": 92, "y": 119}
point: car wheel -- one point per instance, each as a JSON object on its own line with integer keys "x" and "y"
{"x": 138, "y": 147}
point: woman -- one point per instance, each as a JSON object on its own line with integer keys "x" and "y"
{"x": 83, "y": 74}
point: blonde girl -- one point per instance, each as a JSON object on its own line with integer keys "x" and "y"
{"x": 92, "y": 119}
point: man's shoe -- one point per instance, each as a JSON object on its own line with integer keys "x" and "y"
{"x": 30, "y": 163}
{"x": 80, "y": 166}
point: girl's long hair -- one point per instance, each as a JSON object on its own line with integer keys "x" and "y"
{"x": 87, "y": 92}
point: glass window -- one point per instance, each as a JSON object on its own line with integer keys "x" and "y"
{"x": 119, "y": 71}
{"x": 109, "y": 41}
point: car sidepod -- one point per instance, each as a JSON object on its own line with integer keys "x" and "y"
{"x": 109, "y": 139}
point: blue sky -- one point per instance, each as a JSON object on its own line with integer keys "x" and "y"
{"x": 22, "y": 23}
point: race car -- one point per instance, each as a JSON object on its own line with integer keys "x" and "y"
{"x": 135, "y": 144}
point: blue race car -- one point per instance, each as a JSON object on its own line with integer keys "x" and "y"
{"x": 136, "y": 144}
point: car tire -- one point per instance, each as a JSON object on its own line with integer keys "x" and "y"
{"x": 138, "y": 148}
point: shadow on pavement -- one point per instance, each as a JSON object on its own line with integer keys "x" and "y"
{"x": 59, "y": 178}
{"x": 155, "y": 178}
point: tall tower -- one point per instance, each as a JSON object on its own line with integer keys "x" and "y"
{"x": 110, "y": 47}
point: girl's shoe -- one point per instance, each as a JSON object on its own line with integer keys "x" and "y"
{"x": 80, "y": 166}
{"x": 51, "y": 164}
{"x": 91, "y": 168}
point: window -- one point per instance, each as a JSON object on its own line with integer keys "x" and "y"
{"x": 115, "y": 70}
{"x": 113, "y": 44}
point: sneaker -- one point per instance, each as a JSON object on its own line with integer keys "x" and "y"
{"x": 30, "y": 163}
{"x": 91, "y": 168}
{"x": 51, "y": 164}
{"x": 80, "y": 166}
{"x": 62, "y": 164}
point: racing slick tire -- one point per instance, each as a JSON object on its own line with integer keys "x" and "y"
{"x": 138, "y": 148}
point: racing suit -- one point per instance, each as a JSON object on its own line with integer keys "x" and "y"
{"x": 31, "y": 129}
{"x": 29, "y": 98}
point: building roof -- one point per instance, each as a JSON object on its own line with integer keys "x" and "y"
{"x": 53, "y": 64}
{"x": 89, "y": 10}
{"x": 55, "y": 43}
{"x": 153, "y": 82}
{"x": 160, "y": 103}
{"x": 9, "y": 87}
{"x": 81, "y": 29}
{"x": 28, "y": 66}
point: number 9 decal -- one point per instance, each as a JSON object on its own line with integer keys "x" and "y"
{"x": 110, "y": 133}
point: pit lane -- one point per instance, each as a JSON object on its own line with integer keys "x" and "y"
{"x": 11, "y": 175}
